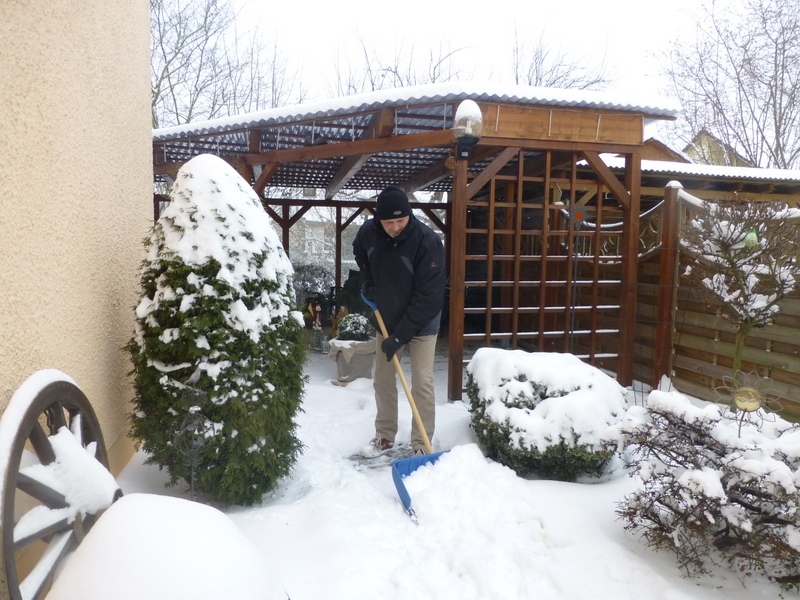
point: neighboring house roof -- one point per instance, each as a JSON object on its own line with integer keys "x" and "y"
{"x": 653, "y": 149}
{"x": 708, "y": 149}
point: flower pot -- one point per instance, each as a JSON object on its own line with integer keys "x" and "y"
{"x": 353, "y": 359}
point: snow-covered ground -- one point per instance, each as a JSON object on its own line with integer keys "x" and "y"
{"x": 337, "y": 531}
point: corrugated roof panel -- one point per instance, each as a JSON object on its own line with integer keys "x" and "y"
{"x": 409, "y": 97}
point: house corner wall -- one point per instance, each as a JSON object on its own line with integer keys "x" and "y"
{"x": 75, "y": 196}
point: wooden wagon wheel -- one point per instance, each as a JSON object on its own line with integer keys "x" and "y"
{"x": 55, "y": 480}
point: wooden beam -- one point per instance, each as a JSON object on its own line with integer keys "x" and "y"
{"x": 443, "y": 169}
{"x": 271, "y": 212}
{"x": 434, "y": 218}
{"x": 491, "y": 170}
{"x": 608, "y": 178}
{"x": 346, "y": 171}
{"x": 360, "y": 204}
{"x": 352, "y": 217}
{"x": 441, "y": 137}
{"x": 380, "y": 126}
{"x": 558, "y": 145}
{"x": 429, "y": 176}
{"x": 297, "y": 215}
{"x": 267, "y": 172}
{"x": 254, "y": 141}
{"x": 168, "y": 168}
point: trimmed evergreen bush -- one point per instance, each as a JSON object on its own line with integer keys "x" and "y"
{"x": 355, "y": 327}
{"x": 218, "y": 349}
{"x": 544, "y": 414}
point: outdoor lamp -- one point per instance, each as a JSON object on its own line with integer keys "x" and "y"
{"x": 467, "y": 125}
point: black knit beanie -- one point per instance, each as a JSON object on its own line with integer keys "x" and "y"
{"x": 392, "y": 204}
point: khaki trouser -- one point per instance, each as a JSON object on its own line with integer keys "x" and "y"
{"x": 421, "y": 350}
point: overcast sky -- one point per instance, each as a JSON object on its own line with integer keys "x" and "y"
{"x": 630, "y": 35}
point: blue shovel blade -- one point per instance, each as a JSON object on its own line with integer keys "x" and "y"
{"x": 403, "y": 468}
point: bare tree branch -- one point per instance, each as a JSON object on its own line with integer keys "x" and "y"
{"x": 740, "y": 81}
{"x": 203, "y": 68}
{"x": 542, "y": 66}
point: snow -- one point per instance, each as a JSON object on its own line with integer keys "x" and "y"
{"x": 215, "y": 215}
{"x": 588, "y": 401}
{"x": 336, "y": 531}
{"x": 449, "y": 91}
{"x": 15, "y": 410}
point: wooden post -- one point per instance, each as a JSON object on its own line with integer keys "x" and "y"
{"x": 630, "y": 266}
{"x": 285, "y": 226}
{"x": 665, "y": 301}
{"x": 458, "y": 247}
{"x": 337, "y": 282}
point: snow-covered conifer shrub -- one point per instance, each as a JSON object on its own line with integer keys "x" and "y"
{"x": 355, "y": 327}
{"x": 544, "y": 413}
{"x": 217, "y": 337}
{"x": 717, "y": 488}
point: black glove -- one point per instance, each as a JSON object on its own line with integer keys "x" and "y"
{"x": 368, "y": 291}
{"x": 390, "y": 346}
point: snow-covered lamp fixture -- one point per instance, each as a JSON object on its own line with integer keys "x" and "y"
{"x": 467, "y": 126}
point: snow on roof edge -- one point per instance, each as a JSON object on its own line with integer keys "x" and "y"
{"x": 436, "y": 92}
{"x": 676, "y": 168}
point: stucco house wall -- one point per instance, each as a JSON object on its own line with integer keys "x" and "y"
{"x": 75, "y": 195}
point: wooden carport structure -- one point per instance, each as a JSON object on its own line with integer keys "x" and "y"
{"x": 542, "y": 237}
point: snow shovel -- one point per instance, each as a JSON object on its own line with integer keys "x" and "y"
{"x": 405, "y": 466}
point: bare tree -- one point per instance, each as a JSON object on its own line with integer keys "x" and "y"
{"x": 740, "y": 80}
{"x": 540, "y": 65}
{"x": 372, "y": 71}
{"x": 203, "y": 68}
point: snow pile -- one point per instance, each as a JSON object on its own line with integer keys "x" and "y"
{"x": 160, "y": 547}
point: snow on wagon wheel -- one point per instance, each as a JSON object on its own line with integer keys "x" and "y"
{"x": 55, "y": 482}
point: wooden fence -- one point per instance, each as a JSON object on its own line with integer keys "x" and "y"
{"x": 703, "y": 342}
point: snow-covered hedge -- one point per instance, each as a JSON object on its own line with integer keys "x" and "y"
{"x": 544, "y": 413}
{"x": 717, "y": 487}
{"x": 355, "y": 327}
{"x": 218, "y": 338}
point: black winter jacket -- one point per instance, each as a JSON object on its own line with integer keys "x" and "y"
{"x": 408, "y": 273}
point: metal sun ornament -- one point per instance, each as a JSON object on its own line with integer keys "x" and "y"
{"x": 748, "y": 392}
{"x": 577, "y": 215}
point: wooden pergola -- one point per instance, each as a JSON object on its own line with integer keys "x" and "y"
{"x": 542, "y": 237}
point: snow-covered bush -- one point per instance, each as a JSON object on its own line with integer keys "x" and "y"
{"x": 311, "y": 280}
{"x": 218, "y": 346}
{"x": 544, "y": 413}
{"x": 716, "y": 486}
{"x": 355, "y": 327}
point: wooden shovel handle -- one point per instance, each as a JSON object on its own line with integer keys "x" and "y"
{"x": 399, "y": 369}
